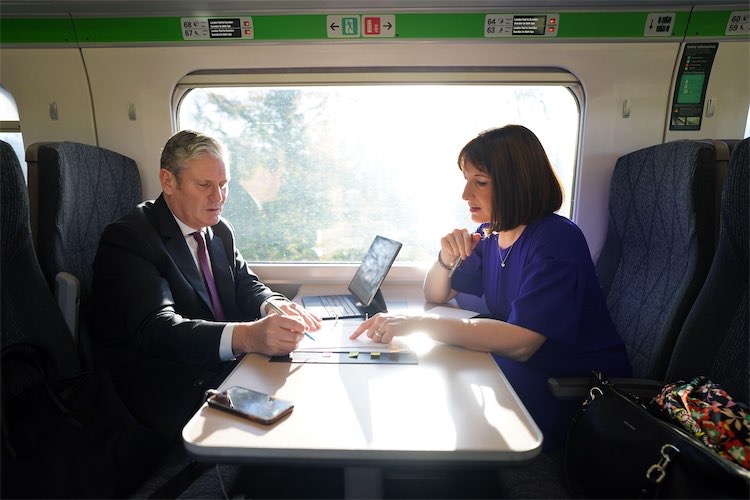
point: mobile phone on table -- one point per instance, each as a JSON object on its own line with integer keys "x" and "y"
{"x": 250, "y": 404}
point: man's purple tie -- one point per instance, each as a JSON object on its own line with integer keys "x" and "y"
{"x": 207, "y": 276}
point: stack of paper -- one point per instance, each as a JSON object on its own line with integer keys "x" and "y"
{"x": 333, "y": 336}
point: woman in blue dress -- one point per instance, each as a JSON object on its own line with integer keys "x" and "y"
{"x": 547, "y": 313}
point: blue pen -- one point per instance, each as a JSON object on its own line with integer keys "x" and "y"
{"x": 278, "y": 310}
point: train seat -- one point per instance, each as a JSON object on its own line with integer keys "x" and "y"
{"x": 31, "y": 315}
{"x": 27, "y": 316}
{"x": 714, "y": 338}
{"x": 659, "y": 246}
{"x": 38, "y": 353}
{"x": 79, "y": 190}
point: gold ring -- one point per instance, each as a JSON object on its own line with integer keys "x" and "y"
{"x": 378, "y": 334}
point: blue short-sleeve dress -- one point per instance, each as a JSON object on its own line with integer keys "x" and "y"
{"x": 548, "y": 285}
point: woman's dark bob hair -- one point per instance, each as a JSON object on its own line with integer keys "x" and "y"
{"x": 525, "y": 188}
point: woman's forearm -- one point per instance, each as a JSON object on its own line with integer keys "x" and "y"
{"x": 437, "y": 285}
{"x": 482, "y": 334}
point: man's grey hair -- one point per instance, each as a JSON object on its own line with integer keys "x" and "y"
{"x": 189, "y": 144}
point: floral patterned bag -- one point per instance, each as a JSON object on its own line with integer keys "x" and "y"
{"x": 707, "y": 412}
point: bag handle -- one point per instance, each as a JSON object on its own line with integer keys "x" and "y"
{"x": 657, "y": 472}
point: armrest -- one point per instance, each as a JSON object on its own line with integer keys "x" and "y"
{"x": 578, "y": 387}
{"x": 570, "y": 387}
{"x": 68, "y": 293}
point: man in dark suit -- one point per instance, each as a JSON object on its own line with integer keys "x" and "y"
{"x": 167, "y": 325}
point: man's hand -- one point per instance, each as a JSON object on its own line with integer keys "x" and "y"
{"x": 274, "y": 335}
{"x": 292, "y": 309}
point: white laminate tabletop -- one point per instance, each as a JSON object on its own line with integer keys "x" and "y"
{"x": 454, "y": 405}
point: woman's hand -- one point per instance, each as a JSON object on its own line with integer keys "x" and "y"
{"x": 382, "y": 327}
{"x": 458, "y": 243}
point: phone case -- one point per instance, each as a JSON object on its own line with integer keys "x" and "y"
{"x": 250, "y": 404}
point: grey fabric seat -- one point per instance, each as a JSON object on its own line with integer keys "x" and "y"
{"x": 714, "y": 340}
{"x": 29, "y": 315}
{"x": 79, "y": 190}
{"x": 659, "y": 246}
{"x": 29, "y": 310}
{"x": 658, "y": 249}
{"x": 31, "y": 323}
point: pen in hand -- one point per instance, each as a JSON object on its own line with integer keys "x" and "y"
{"x": 278, "y": 310}
{"x": 455, "y": 266}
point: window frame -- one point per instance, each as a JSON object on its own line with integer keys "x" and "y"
{"x": 288, "y": 274}
{"x": 14, "y": 127}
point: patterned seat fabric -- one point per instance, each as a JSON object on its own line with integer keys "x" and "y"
{"x": 81, "y": 189}
{"x": 715, "y": 340}
{"x": 29, "y": 315}
{"x": 659, "y": 246}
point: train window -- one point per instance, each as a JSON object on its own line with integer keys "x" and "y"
{"x": 318, "y": 169}
{"x": 10, "y": 126}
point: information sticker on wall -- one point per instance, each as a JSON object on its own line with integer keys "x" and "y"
{"x": 217, "y": 28}
{"x": 738, "y": 23}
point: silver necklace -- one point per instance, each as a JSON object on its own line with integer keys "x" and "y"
{"x": 502, "y": 261}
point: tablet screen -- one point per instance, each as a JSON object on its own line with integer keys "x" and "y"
{"x": 374, "y": 268}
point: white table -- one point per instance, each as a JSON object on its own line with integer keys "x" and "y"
{"x": 454, "y": 406}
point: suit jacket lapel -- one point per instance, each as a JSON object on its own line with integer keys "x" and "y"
{"x": 175, "y": 243}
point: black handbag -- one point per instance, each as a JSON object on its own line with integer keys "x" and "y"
{"x": 617, "y": 449}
